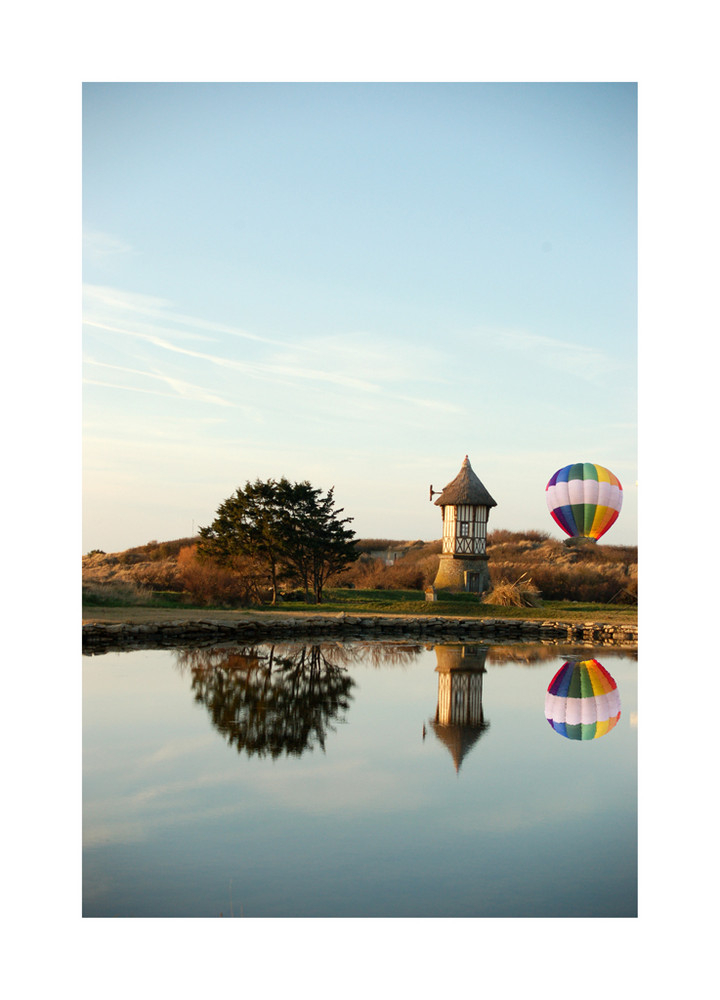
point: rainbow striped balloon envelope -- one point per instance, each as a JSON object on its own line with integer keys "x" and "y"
{"x": 584, "y": 499}
{"x": 582, "y": 701}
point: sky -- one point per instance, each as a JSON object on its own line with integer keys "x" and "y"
{"x": 357, "y": 285}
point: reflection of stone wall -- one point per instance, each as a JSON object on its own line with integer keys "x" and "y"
{"x": 461, "y": 657}
{"x": 99, "y": 637}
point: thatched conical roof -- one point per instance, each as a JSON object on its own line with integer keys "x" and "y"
{"x": 459, "y": 739}
{"x": 465, "y": 488}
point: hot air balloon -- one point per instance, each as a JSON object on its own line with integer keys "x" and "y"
{"x": 582, "y": 701}
{"x": 584, "y": 499}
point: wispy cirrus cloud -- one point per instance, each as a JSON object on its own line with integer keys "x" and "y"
{"x": 354, "y": 360}
{"x": 589, "y": 362}
{"x": 99, "y": 246}
{"x": 357, "y": 372}
{"x": 131, "y": 315}
{"x": 179, "y": 386}
{"x": 101, "y": 302}
{"x": 263, "y": 370}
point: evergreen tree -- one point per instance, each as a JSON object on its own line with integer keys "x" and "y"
{"x": 287, "y": 527}
{"x": 317, "y": 542}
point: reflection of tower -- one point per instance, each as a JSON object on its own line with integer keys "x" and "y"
{"x": 465, "y": 505}
{"x": 459, "y": 721}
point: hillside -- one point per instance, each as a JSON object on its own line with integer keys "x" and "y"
{"x": 547, "y": 569}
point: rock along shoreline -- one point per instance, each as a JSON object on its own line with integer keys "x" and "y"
{"x": 101, "y": 637}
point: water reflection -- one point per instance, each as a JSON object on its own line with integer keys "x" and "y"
{"x": 267, "y": 702}
{"x": 459, "y": 719}
{"x": 177, "y": 819}
{"x": 275, "y": 699}
{"x": 582, "y": 701}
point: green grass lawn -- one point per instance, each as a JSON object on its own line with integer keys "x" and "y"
{"x": 412, "y": 602}
{"x": 393, "y": 602}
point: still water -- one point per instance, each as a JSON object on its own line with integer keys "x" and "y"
{"x": 353, "y": 780}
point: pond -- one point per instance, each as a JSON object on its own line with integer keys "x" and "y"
{"x": 359, "y": 780}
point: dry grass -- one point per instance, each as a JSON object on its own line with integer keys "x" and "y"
{"x": 572, "y": 570}
{"x": 119, "y": 593}
{"x": 549, "y": 569}
{"x": 521, "y": 594}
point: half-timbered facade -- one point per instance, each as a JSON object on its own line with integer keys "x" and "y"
{"x": 465, "y": 529}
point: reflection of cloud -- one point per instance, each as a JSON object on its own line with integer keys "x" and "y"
{"x": 109, "y": 828}
{"x": 104, "y": 831}
{"x": 171, "y": 790}
{"x": 132, "y": 817}
{"x": 349, "y": 787}
{"x": 500, "y": 816}
{"x": 179, "y": 748}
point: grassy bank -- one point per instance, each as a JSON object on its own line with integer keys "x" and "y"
{"x": 368, "y": 602}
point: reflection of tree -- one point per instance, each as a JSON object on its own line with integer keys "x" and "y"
{"x": 386, "y": 654}
{"x": 267, "y": 701}
{"x": 373, "y": 652}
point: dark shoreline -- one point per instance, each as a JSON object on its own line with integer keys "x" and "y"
{"x": 100, "y": 637}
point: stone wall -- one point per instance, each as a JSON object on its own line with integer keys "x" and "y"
{"x": 451, "y": 574}
{"x": 100, "y": 637}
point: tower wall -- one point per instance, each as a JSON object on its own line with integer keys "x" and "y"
{"x": 461, "y": 575}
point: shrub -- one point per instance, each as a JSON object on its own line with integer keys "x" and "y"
{"x": 403, "y": 576}
{"x": 206, "y": 582}
{"x": 415, "y": 569}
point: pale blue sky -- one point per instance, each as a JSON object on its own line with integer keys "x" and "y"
{"x": 357, "y": 284}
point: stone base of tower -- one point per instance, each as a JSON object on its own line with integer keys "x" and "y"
{"x": 460, "y": 576}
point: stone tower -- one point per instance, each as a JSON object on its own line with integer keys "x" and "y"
{"x": 465, "y": 505}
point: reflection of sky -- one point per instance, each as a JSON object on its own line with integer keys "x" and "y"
{"x": 165, "y": 795}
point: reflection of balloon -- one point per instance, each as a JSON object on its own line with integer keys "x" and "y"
{"x": 584, "y": 499}
{"x": 582, "y": 701}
